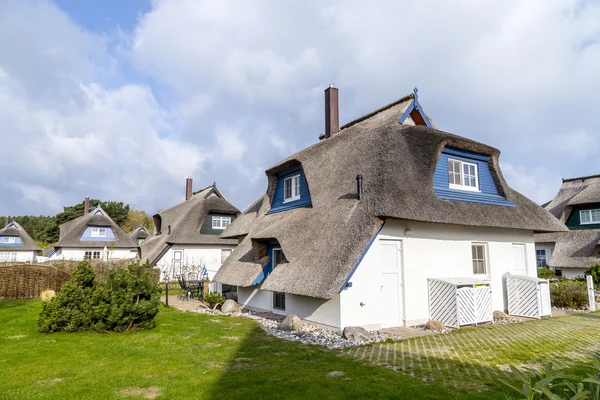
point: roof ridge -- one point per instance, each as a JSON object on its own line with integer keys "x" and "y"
{"x": 373, "y": 113}
{"x": 582, "y": 178}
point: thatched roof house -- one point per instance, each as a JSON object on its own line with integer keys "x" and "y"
{"x": 189, "y": 225}
{"x": 139, "y": 235}
{"x": 577, "y": 205}
{"x": 395, "y": 162}
{"x": 16, "y": 244}
{"x": 87, "y": 236}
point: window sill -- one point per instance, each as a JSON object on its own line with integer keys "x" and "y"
{"x": 464, "y": 188}
{"x": 290, "y": 200}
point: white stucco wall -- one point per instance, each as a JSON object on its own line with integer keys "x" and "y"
{"x": 573, "y": 272}
{"x": 549, "y": 247}
{"x": 318, "y": 311}
{"x": 431, "y": 251}
{"x": 77, "y": 254}
{"x": 21, "y": 256}
{"x": 194, "y": 257}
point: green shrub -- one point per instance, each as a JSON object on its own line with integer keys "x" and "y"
{"x": 214, "y": 299}
{"x": 545, "y": 273}
{"x": 552, "y": 385}
{"x": 569, "y": 294}
{"x": 128, "y": 299}
{"x": 594, "y": 272}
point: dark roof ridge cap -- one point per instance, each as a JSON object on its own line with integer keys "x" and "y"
{"x": 373, "y": 113}
{"x": 580, "y": 178}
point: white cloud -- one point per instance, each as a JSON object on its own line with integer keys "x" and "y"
{"x": 233, "y": 87}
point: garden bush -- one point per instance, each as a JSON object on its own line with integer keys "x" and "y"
{"x": 214, "y": 299}
{"x": 128, "y": 299}
{"x": 545, "y": 273}
{"x": 569, "y": 294}
{"x": 594, "y": 272}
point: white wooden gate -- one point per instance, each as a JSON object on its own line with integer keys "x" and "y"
{"x": 460, "y": 301}
{"x": 528, "y": 297}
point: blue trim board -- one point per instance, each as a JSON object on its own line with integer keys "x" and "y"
{"x": 277, "y": 204}
{"x": 488, "y": 192}
{"x": 415, "y": 105}
{"x": 347, "y": 283}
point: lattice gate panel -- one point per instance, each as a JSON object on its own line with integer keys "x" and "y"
{"x": 442, "y": 302}
{"x": 483, "y": 304}
{"x": 544, "y": 288}
{"x": 523, "y": 296}
{"x": 467, "y": 313}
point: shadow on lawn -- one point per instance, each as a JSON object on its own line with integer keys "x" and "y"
{"x": 266, "y": 367}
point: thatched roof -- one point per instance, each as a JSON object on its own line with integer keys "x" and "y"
{"x": 574, "y": 192}
{"x": 16, "y": 230}
{"x": 139, "y": 233}
{"x": 186, "y": 219}
{"x": 323, "y": 243}
{"x": 71, "y": 231}
{"x": 579, "y": 248}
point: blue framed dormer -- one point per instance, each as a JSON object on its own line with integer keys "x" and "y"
{"x": 465, "y": 176}
{"x": 98, "y": 234}
{"x": 273, "y": 251}
{"x": 10, "y": 241}
{"x": 416, "y": 112}
{"x": 291, "y": 191}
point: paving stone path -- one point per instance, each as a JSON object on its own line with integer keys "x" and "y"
{"x": 471, "y": 358}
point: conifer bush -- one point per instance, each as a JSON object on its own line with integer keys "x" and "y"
{"x": 128, "y": 299}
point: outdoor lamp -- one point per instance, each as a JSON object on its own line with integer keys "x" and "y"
{"x": 166, "y": 278}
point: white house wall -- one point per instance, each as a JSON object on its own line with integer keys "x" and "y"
{"x": 78, "y": 254}
{"x": 572, "y": 272}
{"x": 21, "y": 256}
{"x": 549, "y": 247}
{"x": 431, "y": 251}
{"x": 318, "y": 311}
{"x": 194, "y": 257}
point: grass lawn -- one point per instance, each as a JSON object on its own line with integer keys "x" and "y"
{"x": 200, "y": 356}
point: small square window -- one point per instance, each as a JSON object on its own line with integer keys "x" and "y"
{"x": 291, "y": 188}
{"x": 220, "y": 222}
{"x": 462, "y": 175}
{"x": 479, "y": 261}
{"x": 9, "y": 240}
{"x": 98, "y": 232}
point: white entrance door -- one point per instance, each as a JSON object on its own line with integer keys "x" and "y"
{"x": 177, "y": 262}
{"x": 391, "y": 284}
{"x": 518, "y": 253}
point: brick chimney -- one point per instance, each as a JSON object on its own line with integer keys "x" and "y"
{"x": 188, "y": 188}
{"x": 332, "y": 113}
{"x": 7, "y": 220}
{"x": 86, "y": 206}
{"x": 133, "y": 225}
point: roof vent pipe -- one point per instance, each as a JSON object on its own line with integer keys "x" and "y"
{"x": 86, "y": 206}
{"x": 188, "y": 188}
{"x": 169, "y": 229}
{"x": 359, "y": 186}
{"x": 332, "y": 113}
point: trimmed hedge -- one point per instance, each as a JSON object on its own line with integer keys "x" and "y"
{"x": 569, "y": 294}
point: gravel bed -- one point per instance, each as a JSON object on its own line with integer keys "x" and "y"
{"x": 309, "y": 334}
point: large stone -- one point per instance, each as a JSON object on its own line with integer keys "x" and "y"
{"x": 435, "y": 325}
{"x": 291, "y": 323}
{"x": 500, "y": 316}
{"x": 230, "y": 306}
{"x": 356, "y": 334}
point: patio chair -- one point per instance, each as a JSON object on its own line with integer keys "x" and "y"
{"x": 190, "y": 289}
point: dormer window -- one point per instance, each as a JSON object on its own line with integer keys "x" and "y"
{"x": 291, "y": 188}
{"x": 98, "y": 232}
{"x": 463, "y": 175}
{"x": 220, "y": 222}
{"x": 10, "y": 240}
{"x": 589, "y": 216}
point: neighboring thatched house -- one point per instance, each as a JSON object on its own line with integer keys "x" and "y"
{"x": 186, "y": 236}
{"x": 16, "y": 244}
{"x": 94, "y": 235}
{"x": 577, "y": 205}
{"x": 351, "y": 228}
{"x": 139, "y": 234}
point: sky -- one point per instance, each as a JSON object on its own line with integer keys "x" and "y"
{"x": 123, "y": 100}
